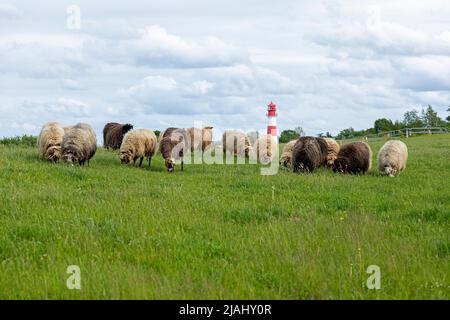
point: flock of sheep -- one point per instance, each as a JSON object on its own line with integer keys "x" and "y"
{"x": 77, "y": 145}
{"x": 309, "y": 153}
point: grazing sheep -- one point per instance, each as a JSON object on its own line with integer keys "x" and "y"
{"x": 332, "y": 150}
{"x": 266, "y": 145}
{"x": 200, "y": 139}
{"x": 113, "y": 134}
{"x": 286, "y": 156}
{"x": 173, "y": 144}
{"x": 354, "y": 158}
{"x": 50, "y": 140}
{"x": 392, "y": 157}
{"x": 308, "y": 154}
{"x": 236, "y": 143}
{"x": 138, "y": 144}
{"x": 79, "y": 144}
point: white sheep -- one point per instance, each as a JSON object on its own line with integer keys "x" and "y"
{"x": 392, "y": 157}
{"x": 138, "y": 144}
{"x": 50, "y": 140}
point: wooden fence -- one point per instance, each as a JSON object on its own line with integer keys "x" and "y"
{"x": 406, "y": 133}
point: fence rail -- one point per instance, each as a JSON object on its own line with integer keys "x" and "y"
{"x": 406, "y": 132}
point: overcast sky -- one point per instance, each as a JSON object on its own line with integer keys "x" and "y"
{"x": 327, "y": 65}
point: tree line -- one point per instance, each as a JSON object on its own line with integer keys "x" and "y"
{"x": 427, "y": 117}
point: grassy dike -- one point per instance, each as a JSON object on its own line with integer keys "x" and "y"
{"x": 223, "y": 231}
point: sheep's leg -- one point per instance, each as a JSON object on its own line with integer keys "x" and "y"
{"x": 182, "y": 163}
{"x": 149, "y": 162}
{"x": 140, "y": 161}
{"x": 134, "y": 162}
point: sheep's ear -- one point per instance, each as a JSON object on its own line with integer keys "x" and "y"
{"x": 209, "y": 128}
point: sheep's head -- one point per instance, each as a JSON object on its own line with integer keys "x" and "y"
{"x": 70, "y": 157}
{"x": 170, "y": 164}
{"x": 341, "y": 165}
{"x": 125, "y": 157}
{"x": 389, "y": 170}
{"x": 53, "y": 153}
{"x": 330, "y": 163}
{"x": 285, "y": 161}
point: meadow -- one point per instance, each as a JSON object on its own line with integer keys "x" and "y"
{"x": 223, "y": 231}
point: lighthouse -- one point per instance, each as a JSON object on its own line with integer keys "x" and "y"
{"x": 272, "y": 119}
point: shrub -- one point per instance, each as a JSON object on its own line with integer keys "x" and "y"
{"x": 25, "y": 141}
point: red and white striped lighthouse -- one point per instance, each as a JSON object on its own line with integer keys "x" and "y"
{"x": 272, "y": 119}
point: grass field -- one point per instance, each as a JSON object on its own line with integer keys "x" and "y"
{"x": 216, "y": 231}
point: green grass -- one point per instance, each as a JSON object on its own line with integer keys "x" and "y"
{"x": 215, "y": 232}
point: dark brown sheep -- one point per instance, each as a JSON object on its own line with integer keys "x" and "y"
{"x": 173, "y": 144}
{"x": 308, "y": 154}
{"x": 113, "y": 134}
{"x": 353, "y": 158}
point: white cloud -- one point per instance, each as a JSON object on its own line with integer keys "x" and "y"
{"x": 9, "y": 12}
{"x": 328, "y": 65}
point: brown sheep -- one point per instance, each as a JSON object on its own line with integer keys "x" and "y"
{"x": 113, "y": 134}
{"x": 173, "y": 144}
{"x": 286, "y": 156}
{"x": 50, "y": 140}
{"x": 353, "y": 158}
{"x": 236, "y": 143}
{"x": 308, "y": 154}
{"x": 138, "y": 144}
{"x": 79, "y": 144}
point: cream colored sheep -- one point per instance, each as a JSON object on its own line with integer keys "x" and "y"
{"x": 286, "y": 156}
{"x": 332, "y": 150}
{"x": 79, "y": 144}
{"x": 138, "y": 144}
{"x": 236, "y": 143}
{"x": 392, "y": 158}
{"x": 50, "y": 140}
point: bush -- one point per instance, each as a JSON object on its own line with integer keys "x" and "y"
{"x": 25, "y": 141}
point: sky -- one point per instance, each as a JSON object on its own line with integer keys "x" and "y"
{"x": 328, "y": 65}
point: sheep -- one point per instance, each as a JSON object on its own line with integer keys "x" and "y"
{"x": 392, "y": 158}
{"x": 332, "y": 151}
{"x": 50, "y": 140}
{"x": 113, "y": 134}
{"x": 200, "y": 139}
{"x": 138, "y": 144}
{"x": 79, "y": 144}
{"x": 286, "y": 156}
{"x": 236, "y": 142}
{"x": 266, "y": 145}
{"x": 308, "y": 154}
{"x": 353, "y": 158}
{"x": 173, "y": 144}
